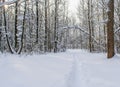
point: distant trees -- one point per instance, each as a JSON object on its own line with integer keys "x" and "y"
{"x": 98, "y": 20}
{"x": 39, "y": 26}
{"x": 33, "y": 26}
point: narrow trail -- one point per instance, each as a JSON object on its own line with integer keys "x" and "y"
{"x": 93, "y": 70}
{"x": 76, "y": 76}
{"x": 81, "y": 70}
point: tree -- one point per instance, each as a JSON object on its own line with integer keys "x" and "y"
{"x": 5, "y": 25}
{"x": 0, "y": 28}
{"x": 46, "y": 27}
{"x": 23, "y": 29}
{"x": 56, "y": 26}
{"x": 110, "y": 29}
{"x": 16, "y": 23}
{"x": 89, "y": 25}
{"x": 33, "y": 25}
{"x": 37, "y": 21}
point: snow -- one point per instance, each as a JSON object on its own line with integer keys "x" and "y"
{"x": 73, "y": 68}
{"x": 8, "y": 2}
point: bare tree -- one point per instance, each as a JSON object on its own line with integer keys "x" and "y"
{"x": 89, "y": 25}
{"x": 37, "y": 21}
{"x": 23, "y": 29}
{"x": 46, "y": 27}
{"x": 16, "y": 23}
{"x": 5, "y": 25}
{"x": 56, "y": 27}
{"x": 0, "y": 28}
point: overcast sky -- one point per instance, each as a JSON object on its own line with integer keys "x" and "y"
{"x": 73, "y": 5}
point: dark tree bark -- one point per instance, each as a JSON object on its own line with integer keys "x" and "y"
{"x": 37, "y": 22}
{"x": 0, "y": 31}
{"x": 0, "y": 28}
{"x": 46, "y": 28}
{"x": 110, "y": 30}
{"x": 55, "y": 27}
{"x": 92, "y": 25}
{"x": 89, "y": 27}
{"x": 49, "y": 29}
{"x": 16, "y": 21}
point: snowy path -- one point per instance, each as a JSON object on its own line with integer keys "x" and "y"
{"x": 74, "y": 68}
{"x": 77, "y": 77}
{"x": 94, "y": 70}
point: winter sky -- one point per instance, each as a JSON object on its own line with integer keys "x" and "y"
{"x": 73, "y": 5}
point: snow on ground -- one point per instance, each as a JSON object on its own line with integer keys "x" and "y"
{"x": 74, "y": 68}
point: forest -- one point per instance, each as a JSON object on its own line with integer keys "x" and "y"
{"x": 59, "y": 43}
{"x": 40, "y": 26}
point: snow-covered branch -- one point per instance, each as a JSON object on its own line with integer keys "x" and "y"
{"x": 8, "y": 3}
{"x": 83, "y": 30}
{"x": 117, "y": 30}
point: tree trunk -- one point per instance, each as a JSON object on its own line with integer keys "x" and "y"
{"x": 37, "y": 22}
{"x": 16, "y": 31}
{"x": 49, "y": 29}
{"x": 0, "y": 32}
{"x": 23, "y": 29}
{"x": 110, "y": 30}
{"x": 92, "y": 25}
{"x": 5, "y": 25}
{"x": 46, "y": 28}
{"x": 89, "y": 27}
{"x": 0, "y": 29}
{"x": 56, "y": 27}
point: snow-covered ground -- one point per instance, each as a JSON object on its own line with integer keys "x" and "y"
{"x": 74, "y": 68}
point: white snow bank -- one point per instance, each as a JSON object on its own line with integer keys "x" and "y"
{"x": 74, "y": 68}
{"x": 33, "y": 71}
{"x": 94, "y": 70}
